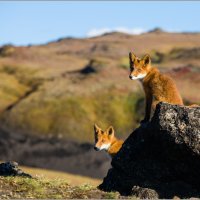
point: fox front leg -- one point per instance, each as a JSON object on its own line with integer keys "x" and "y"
{"x": 147, "y": 108}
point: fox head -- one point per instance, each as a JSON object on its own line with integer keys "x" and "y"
{"x": 103, "y": 139}
{"x": 139, "y": 67}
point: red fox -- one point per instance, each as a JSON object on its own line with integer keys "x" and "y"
{"x": 157, "y": 87}
{"x": 106, "y": 140}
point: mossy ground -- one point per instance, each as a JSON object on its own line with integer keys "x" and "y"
{"x": 40, "y": 188}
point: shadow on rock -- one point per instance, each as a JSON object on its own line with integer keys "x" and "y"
{"x": 162, "y": 159}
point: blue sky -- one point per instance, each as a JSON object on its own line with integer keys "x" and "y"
{"x": 23, "y": 22}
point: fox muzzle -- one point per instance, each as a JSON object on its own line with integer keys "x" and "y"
{"x": 96, "y": 148}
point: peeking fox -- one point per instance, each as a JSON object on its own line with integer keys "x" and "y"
{"x": 157, "y": 87}
{"x": 106, "y": 140}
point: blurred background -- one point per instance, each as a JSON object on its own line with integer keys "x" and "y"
{"x": 64, "y": 66}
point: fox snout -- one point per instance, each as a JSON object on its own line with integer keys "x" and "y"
{"x": 133, "y": 77}
{"x": 96, "y": 148}
{"x": 130, "y": 76}
{"x": 137, "y": 76}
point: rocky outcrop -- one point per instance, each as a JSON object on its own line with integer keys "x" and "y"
{"x": 94, "y": 66}
{"x": 160, "y": 159}
{"x": 12, "y": 169}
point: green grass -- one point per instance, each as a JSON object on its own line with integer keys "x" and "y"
{"x": 41, "y": 188}
{"x": 73, "y": 116}
{"x": 124, "y": 62}
{"x": 24, "y": 75}
{"x": 10, "y": 90}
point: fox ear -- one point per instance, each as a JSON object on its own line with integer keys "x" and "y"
{"x": 131, "y": 57}
{"x": 110, "y": 131}
{"x": 96, "y": 128}
{"x": 146, "y": 59}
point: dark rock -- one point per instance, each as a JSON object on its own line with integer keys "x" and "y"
{"x": 94, "y": 66}
{"x": 11, "y": 169}
{"x": 161, "y": 159}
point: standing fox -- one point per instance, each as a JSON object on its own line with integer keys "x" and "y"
{"x": 106, "y": 140}
{"x": 157, "y": 87}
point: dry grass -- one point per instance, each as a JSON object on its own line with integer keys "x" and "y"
{"x": 42, "y": 188}
{"x": 73, "y": 180}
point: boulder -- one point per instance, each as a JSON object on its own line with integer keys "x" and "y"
{"x": 11, "y": 168}
{"x": 160, "y": 159}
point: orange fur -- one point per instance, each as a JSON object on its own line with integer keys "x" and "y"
{"x": 157, "y": 87}
{"x": 107, "y": 138}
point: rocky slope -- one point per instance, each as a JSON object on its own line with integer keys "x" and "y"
{"x": 53, "y": 153}
{"x": 161, "y": 159}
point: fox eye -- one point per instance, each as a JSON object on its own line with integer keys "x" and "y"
{"x": 103, "y": 140}
{"x": 139, "y": 70}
